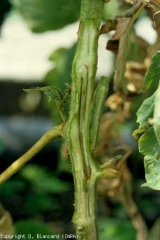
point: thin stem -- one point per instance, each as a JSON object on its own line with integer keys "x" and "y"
{"x": 41, "y": 143}
{"x": 129, "y": 12}
{"x": 131, "y": 208}
{"x": 136, "y": 14}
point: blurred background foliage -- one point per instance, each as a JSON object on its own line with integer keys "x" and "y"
{"x": 40, "y": 196}
{"x": 41, "y": 16}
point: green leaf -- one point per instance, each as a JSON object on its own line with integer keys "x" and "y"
{"x": 143, "y": 114}
{"x": 2, "y": 146}
{"x": 116, "y": 229}
{"x": 148, "y": 144}
{"x": 152, "y": 172}
{"x": 50, "y": 91}
{"x": 152, "y": 76}
{"x": 11, "y": 187}
{"x": 37, "y": 203}
{"x": 42, "y": 180}
{"x": 42, "y": 15}
{"x": 156, "y": 116}
{"x": 60, "y": 74}
{"x": 30, "y": 229}
{"x": 62, "y": 65}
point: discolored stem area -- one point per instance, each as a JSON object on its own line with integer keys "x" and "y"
{"x": 78, "y": 127}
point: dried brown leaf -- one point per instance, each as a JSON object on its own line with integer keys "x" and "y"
{"x": 110, "y": 25}
{"x": 131, "y": 1}
{"x": 135, "y": 74}
{"x": 120, "y": 41}
{"x": 113, "y": 46}
{"x": 115, "y": 101}
{"x": 121, "y": 28}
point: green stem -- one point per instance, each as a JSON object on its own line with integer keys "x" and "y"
{"x": 77, "y": 129}
{"x": 41, "y": 143}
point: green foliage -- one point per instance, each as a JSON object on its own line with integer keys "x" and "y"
{"x": 116, "y": 229}
{"x": 61, "y": 72}
{"x": 2, "y": 146}
{"x": 149, "y": 113}
{"x": 43, "y": 188}
{"x": 11, "y": 187}
{"x": 31, "y": 228}
{"x": 35, "y": 190}
{"x": 110, "y": 9}
{"x": 60, "y": 75}
{"x": 38, "y": 203}
{"x": 42, "y": 15}
{"x": 144, "y": 113}
{"x": 152, "y": 166}
{"x": 42, "y": 181}
{"x": 148, "y": 144}
{"x": 153, "y": 74}
{"x": 156, "y": 116}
